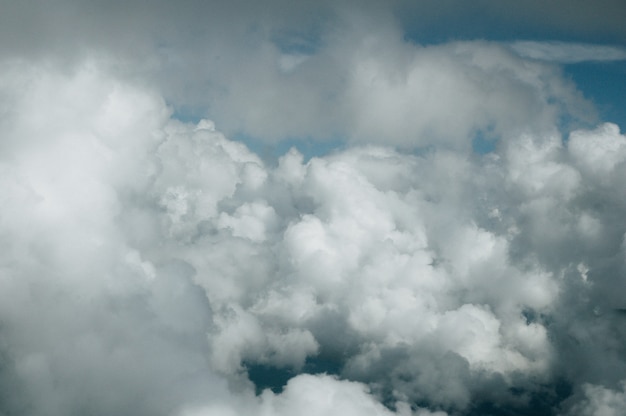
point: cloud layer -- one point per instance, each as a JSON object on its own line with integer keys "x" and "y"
{"x": 147, "y": 262}
{"x": 463, "y": 251}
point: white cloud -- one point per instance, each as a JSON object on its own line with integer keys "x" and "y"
{"x": 568, "y": 52}
{"x": 600, "y": 152}
{"x": 315, "y": 395}
{"x": 146, "y": 263}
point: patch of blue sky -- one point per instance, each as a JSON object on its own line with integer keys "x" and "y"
{"x": 483, "y": 143}
{"x": 604, "y": 83}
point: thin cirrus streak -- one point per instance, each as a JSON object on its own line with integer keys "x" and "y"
{"x": 568, "y": 52}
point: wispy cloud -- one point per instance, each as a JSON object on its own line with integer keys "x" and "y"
{"x": 567, "y": 53}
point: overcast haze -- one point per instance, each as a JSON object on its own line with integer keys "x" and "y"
{"x": 312, "y": 208}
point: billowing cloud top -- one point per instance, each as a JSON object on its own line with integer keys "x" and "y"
{"x": 461, "y": 250}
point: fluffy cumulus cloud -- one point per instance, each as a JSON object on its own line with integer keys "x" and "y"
{"x": 462, "y": 252}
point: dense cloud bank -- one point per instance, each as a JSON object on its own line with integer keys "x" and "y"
{"x": 460, "y": 252}
{"x": 147, "y": 263}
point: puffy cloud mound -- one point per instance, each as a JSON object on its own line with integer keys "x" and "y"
{"x": 148, "y": 264}
{"x": 600, "y": 401}
{"x": 317, "y": 395}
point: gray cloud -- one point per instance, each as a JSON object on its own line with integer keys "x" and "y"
{"x": 600, "y": 400}
{"x": 285, "y": 71}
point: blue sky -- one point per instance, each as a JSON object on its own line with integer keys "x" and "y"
{"x": 603, "y": 83}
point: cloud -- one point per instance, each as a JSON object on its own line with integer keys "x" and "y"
{"x": 90, "y": 323}
{"x": 316, "y": 395}
{"x": 149, "y": 264}
{"x": 375, "y": 88}
{"x": 599, "y": 401}
{"x": 568, "y": 52}
{"x": 106, "y": 278}
{"x": 310, "y": 72}
{"x": 186, "y": 233}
